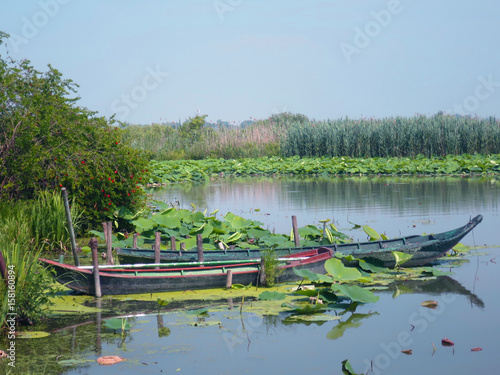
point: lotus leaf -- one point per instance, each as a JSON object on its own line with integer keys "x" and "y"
{"x": 272, "y": 296}
{"x": 339, "y": 272}
{"x": 355, "y": 293}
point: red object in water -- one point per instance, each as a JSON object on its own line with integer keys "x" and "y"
{"x": 446, "y": 342}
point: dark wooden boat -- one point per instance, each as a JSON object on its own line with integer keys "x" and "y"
{"x": 424, "y": 249}
{"x": 130, "y": 280}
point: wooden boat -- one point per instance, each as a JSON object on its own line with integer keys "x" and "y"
{"x": 424, "y": 249}
{"x": 150, "y": 279}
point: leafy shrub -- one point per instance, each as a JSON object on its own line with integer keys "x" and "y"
{"x": 49, "y": 142}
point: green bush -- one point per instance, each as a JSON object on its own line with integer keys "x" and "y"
{"x": 49, "y": 142}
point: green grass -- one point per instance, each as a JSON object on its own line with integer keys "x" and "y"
{"x": 28, "y": 228}
{"x": 48, "y": 222}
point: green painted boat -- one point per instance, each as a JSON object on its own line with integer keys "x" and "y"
{"x": 423, "y": 248}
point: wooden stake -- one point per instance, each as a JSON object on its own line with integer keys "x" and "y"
{"x": 229, "y": 279}
{"x": 157, "y": 247}
{"x": 109, "y": 244}
{"x": 183, "y": 246}
{"x": 262, "y": 273}
{"x": 295, "y": 231}
{"x": 134, "y": 241}
{"x": 172, "y": 243}
{"x": 70, "y": 226}
{"x": 95, "y": 262}
{"x": 199, "y": 247}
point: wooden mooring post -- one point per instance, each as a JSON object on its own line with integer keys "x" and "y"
{"x": 199, "y": 247}
{"x": 229, "y": 279}
{"x": 157, "y": 247}
{"x": 95, "y": 263}
{"x": 295, "y": 231}
{"x": 70, "y": 226}
{"x": 108, "y": 233}
{"x": 262, "y": 272}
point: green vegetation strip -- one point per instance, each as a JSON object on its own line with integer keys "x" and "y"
{"x": 171, "y": 171}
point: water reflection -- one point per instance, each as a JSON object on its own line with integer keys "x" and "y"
{"x": 438, "y": 286}
{"x": 400, "y": 203}
{"x": 77, "y": 343}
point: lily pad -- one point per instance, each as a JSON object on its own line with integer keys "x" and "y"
{"x": 202, "y": 311}
{"x": 336, "y": 268}
{"x": 32, "y": 334}
{"x": 311, "y": 318}
{"x": 372, "y": 233}
{"x": 272, "y": 296}
{"x": 401, "y": 257}
{"x": 347, "y": 368}
{"x": 117, "y": 324}
{"x": 309, "y": 309}
{"x": 355, "y": 293}
{"x": 461, "y": 248}
{"x": 312, "y": 276}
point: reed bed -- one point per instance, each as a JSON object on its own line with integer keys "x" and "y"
{"x": 439, "y": 135}
{"x": 295, "y": 135}
{"x": 166, "y": 143}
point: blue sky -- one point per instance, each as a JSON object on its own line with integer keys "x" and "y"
{"x": 158, "y": 60}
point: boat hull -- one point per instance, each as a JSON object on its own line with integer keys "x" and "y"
{"x": 424, "y": 249}
{"x": 151, "y": 280}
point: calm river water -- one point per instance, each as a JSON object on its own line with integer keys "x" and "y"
{"x": 226, "y": 340}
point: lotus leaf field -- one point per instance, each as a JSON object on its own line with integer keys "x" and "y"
{"x": 171, "y": 171}
{"x": 232, "y": 231}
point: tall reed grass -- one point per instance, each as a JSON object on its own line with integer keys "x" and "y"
{"x": 290, "y": 135}
{"x": 167, "y": 143}
{"x": 27, "y": 228}
{"x": 394, "y": 137}
{"x": 32, "y": 281}
{"x": 48, "y": 222}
